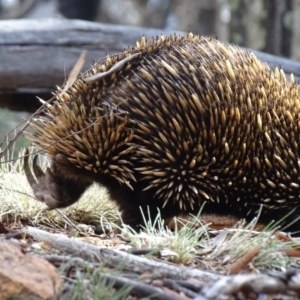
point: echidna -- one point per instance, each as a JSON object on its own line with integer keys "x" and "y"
{"x": 172, "y": 123}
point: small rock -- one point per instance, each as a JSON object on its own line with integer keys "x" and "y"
{"x": 26, "y": 276}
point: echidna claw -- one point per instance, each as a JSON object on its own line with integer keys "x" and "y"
{"x": 38, "y": 172}
{"x": 28, "y": 173}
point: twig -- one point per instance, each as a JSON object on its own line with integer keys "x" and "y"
{"x": 118, "y": 281}
{"x": 113, "y": 258}
{"x": 243, "y": 261}
{"x": 75, "y": 71}
{"x": 139, "y": 288}
{"x": 217, "y": 286}
{"x": 272, "y": 283}
{"x": 67, "y": 220}
{"x": 180, "y": 288}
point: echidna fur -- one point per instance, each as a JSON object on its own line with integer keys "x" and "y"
{"x": 175, "y": 122}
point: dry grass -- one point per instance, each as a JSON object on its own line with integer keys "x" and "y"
{"x": 18, "y": 204}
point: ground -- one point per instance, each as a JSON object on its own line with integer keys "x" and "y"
{"x": 85, "y": 255}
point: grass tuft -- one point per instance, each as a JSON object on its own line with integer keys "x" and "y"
{"x": 93, "y": 285}
{"x": 178, "y": 246}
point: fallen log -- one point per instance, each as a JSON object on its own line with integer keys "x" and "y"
{"x": 36, "y": 55}
{"x": 39, "y": 54}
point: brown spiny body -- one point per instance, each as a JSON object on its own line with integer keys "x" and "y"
{"x": 172, "y": 123}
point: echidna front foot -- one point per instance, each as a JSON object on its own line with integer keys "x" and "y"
{"x": 138, "y": 216}
{"x": 52, "y": 187}
{"x": 133, "y": 218}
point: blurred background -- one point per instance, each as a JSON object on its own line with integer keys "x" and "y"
{"x": 270, "y": 26}
{"x": 267, "y": 25}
